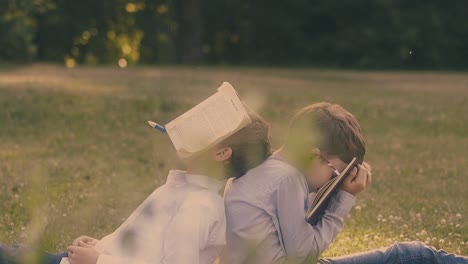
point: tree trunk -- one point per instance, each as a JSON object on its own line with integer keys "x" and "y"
{"x": 190, "y": 30}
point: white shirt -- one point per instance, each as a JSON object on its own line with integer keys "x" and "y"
{"x": 183, "y": 221}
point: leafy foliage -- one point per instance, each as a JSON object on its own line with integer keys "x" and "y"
{"x": 362, "y": 33}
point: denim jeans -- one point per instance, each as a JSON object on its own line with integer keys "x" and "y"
{"x": 13, "y": 255}
{"x": 399, "y": 253}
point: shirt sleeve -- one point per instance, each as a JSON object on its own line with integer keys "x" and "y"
{"x": 300, "y": 239}
{"x": 110, "y": 259}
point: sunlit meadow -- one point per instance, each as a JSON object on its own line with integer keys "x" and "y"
{"x": 76, "y": 154}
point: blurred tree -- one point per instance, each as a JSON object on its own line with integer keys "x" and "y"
{"x": 189, "y": 31}
{"x": 333, "y": 33}
{"x": 18, "y": 27}
{"x": 157, "y": 21}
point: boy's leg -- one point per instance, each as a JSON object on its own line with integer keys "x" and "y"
{"x": 14, "y": 254}
{"x": 10, "y": 254}
{"x": 54, "y": 258}
{"x": 401, "y": 253}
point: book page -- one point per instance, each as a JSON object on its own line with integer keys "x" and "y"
{"x": 208, "y": 123}
{"x": 322, "y": 191}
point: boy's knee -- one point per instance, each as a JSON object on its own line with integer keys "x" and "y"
{"x": 412, "y": 249}
{"x": 411, "y": 246}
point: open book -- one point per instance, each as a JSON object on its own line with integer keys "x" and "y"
{"x": 322, "y": 198}
{"x": 209, "y": 122}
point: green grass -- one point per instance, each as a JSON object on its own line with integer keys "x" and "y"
{"x": 76, "y": 154}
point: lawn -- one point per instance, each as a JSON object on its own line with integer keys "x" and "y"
{"x": 76, "y": 154}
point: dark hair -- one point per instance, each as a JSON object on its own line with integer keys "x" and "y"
{"x": 250, "y": 146}
{"x": 339, "y": 131}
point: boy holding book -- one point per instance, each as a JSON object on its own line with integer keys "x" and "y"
{"x": 266, "y": 207}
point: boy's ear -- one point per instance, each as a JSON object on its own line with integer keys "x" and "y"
{"x": 223, "y": 154}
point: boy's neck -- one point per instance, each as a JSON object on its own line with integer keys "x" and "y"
{"x": 291, "y": 157}
{"x": 214, "y": 174}
{"x": 286, "y": 154}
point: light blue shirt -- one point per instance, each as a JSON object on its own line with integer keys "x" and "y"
{"x": 265, "y": 213}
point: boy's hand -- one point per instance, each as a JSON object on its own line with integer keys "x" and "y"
{"x": 368, "y": 168}
{"x": 84, "y": 240}
{"x": 83, "y": 254}
{"x": 358, "y": 179}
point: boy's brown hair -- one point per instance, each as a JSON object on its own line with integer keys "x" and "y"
{"x": 339, "y": 131}
{"x": 250, "y": 146}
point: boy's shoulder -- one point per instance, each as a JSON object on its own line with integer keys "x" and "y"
{"x": 265, "y": 178}
{"x": 204, "y": 200}
{"x": 275, "y": 169}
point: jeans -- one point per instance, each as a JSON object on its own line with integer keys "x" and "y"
{"x": 15, "y": 253}
{"x": 399, "y": 253}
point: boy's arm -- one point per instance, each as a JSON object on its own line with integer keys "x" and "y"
{"x": 300, "y": 239}
{"x": 85, "y": 239}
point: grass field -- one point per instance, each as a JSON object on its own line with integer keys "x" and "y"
{"x": 76, "y": 154}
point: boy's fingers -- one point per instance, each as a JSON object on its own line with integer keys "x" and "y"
{"x": 351, "y": 176}
{"x": 369, "y": 177}
{"x": 86, "y": 238}
{"x": 84, "y": 244}
{"x": 367, "y": 166}
{"x": 348, "y": 179}
{"x": 74, "y": 249}
{"x": 80, "y": 238}
{"x": 361, "y": 177}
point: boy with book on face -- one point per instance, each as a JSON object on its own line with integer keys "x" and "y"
{"x": 182, "y": 221}
{"x": 266, "y": 208}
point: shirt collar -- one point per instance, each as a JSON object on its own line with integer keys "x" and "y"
{"x": 275, "y": 155}
{"x": 205, "y": 182}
